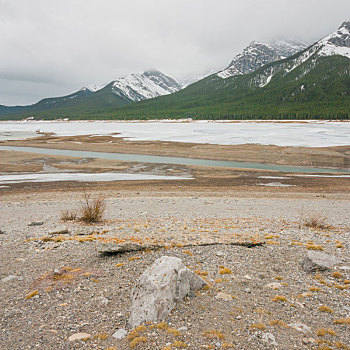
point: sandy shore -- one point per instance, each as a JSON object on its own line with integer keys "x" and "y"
{"x": 220, "y": 206}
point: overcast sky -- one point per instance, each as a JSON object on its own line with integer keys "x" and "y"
{"x": 54, "y": 47}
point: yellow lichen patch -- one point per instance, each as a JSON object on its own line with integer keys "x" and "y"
{"x": 101, "y": 336}
{"x": 260, "y": 326}
{"x": 224, "y": 271}
{"x": 314, "y": 247}
{"x": 336, "y": 274}
{"x": 340, "y": 345}
{"x": 87, "y": 274}
{"x": 187, "y": 252}
{"x": 95, "y": 280}
{"x": 119, "y": 265}
{"x": 227, "y": 346}
{"x": 346, "y": 281}
{"x": 342, "y": 321}
{"x": 341, "y": 287}
{"x": 31, "y": 294}
{"x": 279, "y": 298}
{"x": 339, "y": 245}
{"x": 321, "y": 332}
{"x": 324, "y": 308}
{"x": 271, "y": 236}
{"x": 179, "y": 344}
{"x": 132, "y": 335}
{"x": 162, "y": 325}
{"x": 201, "y": 273}
{"x": 314, "y": 289}
{"x": 138, "y": 340}
{"x": 219, "y": 280}
{"x": 173, "y": 332}
{"x": 278, "y": 278}
{"x": 272, "y": 242}
{"x": 206, "y": 287}
{"x": 214, "y": 334}
{"x": 260, "y": 311}
{"x": 134, "y": 258}
{"x": 112, "y": 348}
{"x": 142, "y": 328}
{"x": 278, "y": 323}
{"x": 167, "y": 348}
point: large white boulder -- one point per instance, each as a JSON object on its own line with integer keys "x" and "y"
{"x": 163, "y": 284}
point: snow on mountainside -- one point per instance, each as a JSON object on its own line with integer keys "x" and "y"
{"x": 337, "y": 43}
{"x": 150, "y": 84}
{"x": 250, "y": 59}
{"x": 286, "y": 48}
{"x": 258, "y": 54}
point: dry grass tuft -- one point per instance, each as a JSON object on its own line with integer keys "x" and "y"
{"x": 68, "y": 215}
{"x": 92, "y": 209}
{"x": 316, "y": 221}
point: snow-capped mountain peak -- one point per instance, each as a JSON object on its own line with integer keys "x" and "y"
{"x": 150, "y": 84}
{"x": 254, "y": 56}
{"x": 337, "y": 43}
{"x": 257, "y": 54}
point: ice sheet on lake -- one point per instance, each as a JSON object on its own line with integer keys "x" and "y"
{"x": 84, "y": 177}
{"x": 303, "y": 134}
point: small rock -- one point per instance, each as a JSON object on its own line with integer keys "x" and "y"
{"x": 344, "y": 268}
{"x": 247, "y": 277}
{"x": 248, "y": 290}
{"x": 220, "y": 254}
{"x": 104, "y": 301}
{"x": 160, "y": 286}
{"x": 223, "y": 296}
{"x": 274, "y": 285}
{"x": 12, "y": 277}
{"x": 318, "y": 261}
{"x": 184, "y": 328}
{"x": 120, "y": 333}
{"x": 269, "y": 338}
{"x": 2, "y": 232}
{"x": 36, "y": 223}
{"x": 300, "y": 327}
{"x": 79, "y": 336}
{"x": 61, "y": 230}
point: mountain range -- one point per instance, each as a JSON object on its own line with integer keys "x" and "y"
{"x": 281, "y": 79}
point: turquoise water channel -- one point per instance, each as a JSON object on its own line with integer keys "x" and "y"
{"x": 141, "y": 158}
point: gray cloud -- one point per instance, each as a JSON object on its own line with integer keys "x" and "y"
{"x": 53, "y": 48}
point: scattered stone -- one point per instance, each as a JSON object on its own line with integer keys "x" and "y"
{"x": 274, "y": 285}
{"x": 344, "y": 268}
{"x": 36, "y": 223}
{"x": 248, "y": 290}
{"x": 318, "y": 261}
{"x": 220, "y": 254}
{"x": 12, "y": 277}
{"x": 79, "y": 336}
{"x": 247, "y": 277}
{"x": 117, "y": 248}
{"x": 120, "y": 333}
{"x": 59, "y": 231}
{"x": 104, "y": 301}
{"x": 2, "y": 232}
{"x": 269, "y": 338}
{"x": 300, "y": 327}
{"x": 182, "y": 329}
{"x": 160, "y": 286}
{"x": 223, "y": 296}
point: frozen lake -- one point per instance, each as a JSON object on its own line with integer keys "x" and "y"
{"x": 303, "y": 134}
